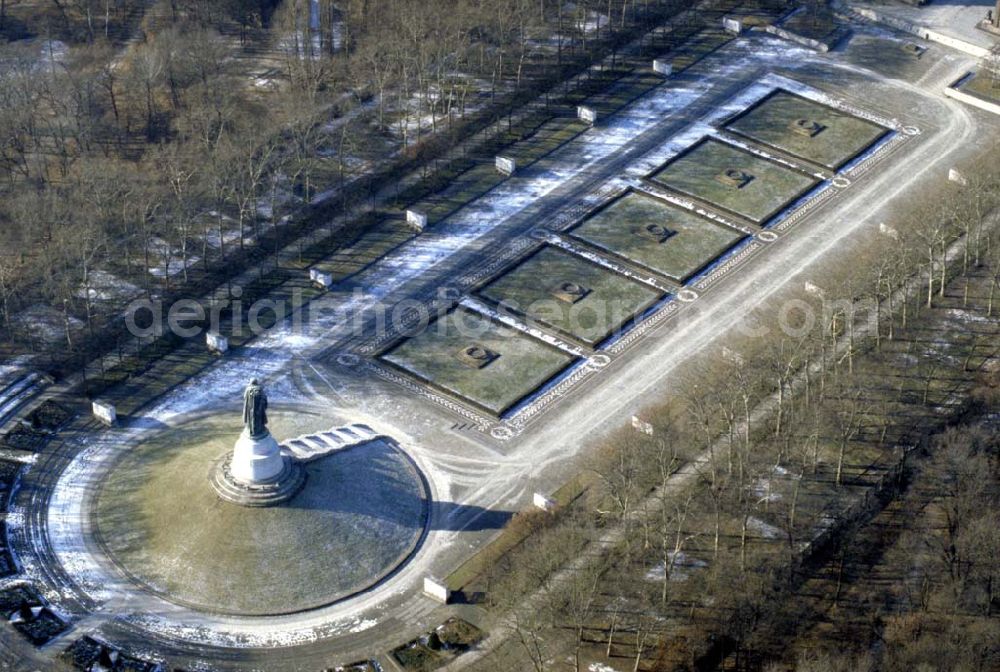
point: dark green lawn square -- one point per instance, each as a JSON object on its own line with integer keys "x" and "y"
{"x": 515, "y": 364}
{"x": 757, "y": 188}
{"x": 577, "y": 297}
{"x": 656, "y": 235}
{"x": 807, "y": 129}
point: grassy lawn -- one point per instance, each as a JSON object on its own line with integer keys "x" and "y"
{"x": 840, "y": 136}
{"x": 465, "y": 188}
{"x": 887, "y": 57}
{"x": 547, "y": 138}
{"x": 608, "y": 300}
{"x": 521, "y": 366}
{"x": 816, "y": 23}
{"x": 698, "y": 46}
{"x": 626, "y": 90}
{"x": 621, "y": 229}
{"x": 984, "y": 86}
{"x": 770, "y": 189}
{"x": 368, "y": 248}
{"x": 360, "y": 513}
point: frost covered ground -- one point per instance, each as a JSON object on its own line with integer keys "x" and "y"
{"x": 461, "y": 469}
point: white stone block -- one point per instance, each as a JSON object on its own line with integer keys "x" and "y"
{"x": 813, "y": 289}
{"x": 663, "y": 67}
{"x": 416, "y": 220}
{"x": 320, "y": 278}
{"x": 640, "y": 425}
{"x": 435, "y": 589}
{"x": 217, "y": 343}
{"x": 957, "y": 177}
{"x": 544, "y": 503}
{"x": 105, "y": 411}
{"x": 887, "y": 230}
{"x": 506, "y": 165}
{"x": 586, "y": 114}
{"x": 731, "y": 25}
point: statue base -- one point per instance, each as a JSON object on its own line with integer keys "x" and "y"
{"x": 256, "y": 459}
{"x": 255, "y": 473}
{"x": 283, "y": 486}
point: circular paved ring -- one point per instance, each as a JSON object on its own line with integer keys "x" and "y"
{"x": 687, "y": 295}
{"x": 599, "y": 361}
{"x": 910, "y": 130}
{"x": 502, "y": 433}
{"x": 840, "y": 182}
{"x": 767, "y": 236}
{"x": 348, "y": 359}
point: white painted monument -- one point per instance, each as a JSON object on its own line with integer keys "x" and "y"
{"x": 257, "y": 456}
{"x": 815, "y": 290}
{"x": 640, "y": 425}
{"x": 105, "y": 411}
{"x": 256, "y": 473}
{"x": 320, "y": 278}
{"x": 663, "y": 67}
{"x": 544, "y": 503}
{"x": 417, "y": 220}
{"x": 217, "y": 343}
{"x": 435, "y": 589}
{"x": 506, "y": 165}
{"x": 586, "y": 114}
{"x": 887, "y": 230}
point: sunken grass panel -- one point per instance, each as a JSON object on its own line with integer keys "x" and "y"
{"x": 773, "y": 187}
{"x": 549, "y": 137}
{"x": 694, "y": 243}
{"x": 522, "y": 366}
{"x": 610, "y": 301}
{"x": 843, "y": 136}
{"x": 371, "y": 246}
{"x": 983, "y": 85}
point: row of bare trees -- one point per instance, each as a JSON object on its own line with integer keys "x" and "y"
{"x": 773, "y": 450}
{"x": 168, "y": 152}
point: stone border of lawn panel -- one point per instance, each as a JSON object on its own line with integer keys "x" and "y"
{"x": 633, "y": 262}
{"x": 726, "y": 125}
{"x": 763, "y": 221}
{"x": 684, "y": 203}
{"x": 631, "y": 320}
{"x": 957, "y": 91}
{"x": 378, "y": 362}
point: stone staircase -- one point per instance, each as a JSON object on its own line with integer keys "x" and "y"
{"x": 309, "y": 447}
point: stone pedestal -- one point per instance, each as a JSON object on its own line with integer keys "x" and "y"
{"x": 505, "y": 165}
{"x": 416, "y": 220}
{"x": 256, "y": 459}
{"x": 105, "y": 412}
{"x": 662, "y": 66}
{"x": 256, "y": 473}
{"x": 587, "y": 115}
{"x": 321, "y": 279}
